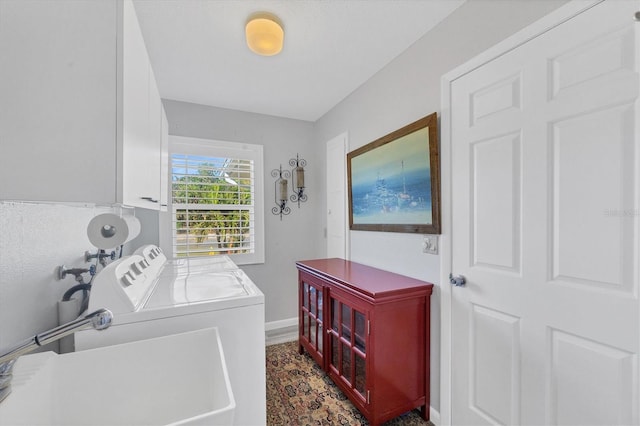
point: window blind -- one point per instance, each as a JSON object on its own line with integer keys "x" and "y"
{"x": 213, "y": 205}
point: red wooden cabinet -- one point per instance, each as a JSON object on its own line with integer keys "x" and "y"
{"x": 369, "y": 330}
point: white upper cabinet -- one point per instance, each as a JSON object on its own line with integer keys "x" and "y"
{"x": 141, "y": 119}
{"x": 80, "y": 112}
{"x": 58, "y": 100}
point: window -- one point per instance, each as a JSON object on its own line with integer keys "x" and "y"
{"x": 216, "y": 199}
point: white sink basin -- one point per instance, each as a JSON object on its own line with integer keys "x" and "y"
{"x": 177, "y": 379}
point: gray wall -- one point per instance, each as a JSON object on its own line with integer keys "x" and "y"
{"x": 287, "y": 240}
{"x": 405, "y": 90}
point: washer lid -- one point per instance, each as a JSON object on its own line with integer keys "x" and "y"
{"x": 177, "y": 288}
{"x": 203, "y": 264}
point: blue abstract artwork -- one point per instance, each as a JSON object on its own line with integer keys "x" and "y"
{"x": 391, "y": 181}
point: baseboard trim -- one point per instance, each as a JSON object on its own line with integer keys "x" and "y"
{"x": 274, "y": 325}
{"x": 281, "y": 331}
{"x": 434, "y": 416}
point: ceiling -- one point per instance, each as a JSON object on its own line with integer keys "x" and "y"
{"x": 199, "y": 54}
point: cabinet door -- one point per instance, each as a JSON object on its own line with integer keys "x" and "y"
{"x": 58, "y": 103}
{"x": 348, "y": 342}
{"x": 312, "y": 318}
{"x": 164, "y": 160}
{"x": 141, "y": 119}
{"x": 154, "y": 157}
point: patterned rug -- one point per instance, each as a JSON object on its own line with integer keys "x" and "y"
{"x": 300, "y": 393}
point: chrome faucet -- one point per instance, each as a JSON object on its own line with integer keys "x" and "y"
{"x": 99, "y": 320}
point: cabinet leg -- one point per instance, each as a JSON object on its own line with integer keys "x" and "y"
{"x": 424, "y": 412}
{"x": 300, "y": 349}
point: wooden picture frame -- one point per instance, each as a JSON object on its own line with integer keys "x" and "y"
{"x": 394, "y": 181}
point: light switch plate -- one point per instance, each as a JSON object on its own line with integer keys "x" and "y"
{"x": 430, "y": 244}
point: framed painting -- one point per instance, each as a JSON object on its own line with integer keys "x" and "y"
{"x": 394, "y": 181}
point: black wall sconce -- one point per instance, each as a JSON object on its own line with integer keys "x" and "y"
{"x": 281, "y": 186}
{"x": 281, "y": 191}
{"x": 298, "y": 179}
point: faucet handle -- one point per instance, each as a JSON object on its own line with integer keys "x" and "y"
{"x": 100, "y": 254}
{"x": 62, "y": 271}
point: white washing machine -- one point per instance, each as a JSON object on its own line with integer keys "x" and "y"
{"x": 151, "y": 297}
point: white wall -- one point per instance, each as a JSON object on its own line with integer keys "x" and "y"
{"x": 287, "y": 240}
{"x": 404, "y": 91}
{"x": 36, "y": 238}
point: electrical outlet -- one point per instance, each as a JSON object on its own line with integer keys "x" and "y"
{"x": 430, "y": 244}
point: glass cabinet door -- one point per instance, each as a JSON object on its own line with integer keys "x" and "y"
{"x": 348, "y": 343}
{"x": 312, "y": 322}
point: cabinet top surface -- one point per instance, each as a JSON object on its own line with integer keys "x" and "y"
{"x": 372, "y": 281}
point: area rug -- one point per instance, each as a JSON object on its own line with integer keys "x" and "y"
{"x": 300, "y": 393}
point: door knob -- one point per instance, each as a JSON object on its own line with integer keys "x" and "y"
{"x": 458, "y": 280}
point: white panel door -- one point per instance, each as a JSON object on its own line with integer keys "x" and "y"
{"x": 336, "y": 197}
{"x": 545, "y": 211}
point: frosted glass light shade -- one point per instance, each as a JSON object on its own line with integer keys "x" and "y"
{"x": 265, "y": 35}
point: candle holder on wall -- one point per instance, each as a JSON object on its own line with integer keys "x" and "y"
{"x": 281, "y": 191}
{"x": 297, "y": 179}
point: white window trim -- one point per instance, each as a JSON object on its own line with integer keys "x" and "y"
{"x": 217, "y": 148}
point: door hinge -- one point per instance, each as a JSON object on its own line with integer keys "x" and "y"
{"x": 369, "y": 327}
{"x": 368, "y": 397}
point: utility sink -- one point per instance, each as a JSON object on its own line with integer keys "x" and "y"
{"x": 178, "y": 379}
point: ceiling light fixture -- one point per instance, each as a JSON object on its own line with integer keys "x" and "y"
{"x": 264, "y": 33}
